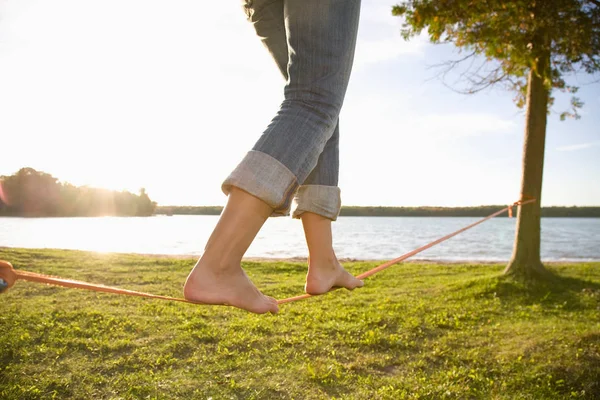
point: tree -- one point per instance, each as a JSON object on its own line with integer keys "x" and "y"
{"x": 530, "y": 47}
{"x": 145, "y": 205}
{"x": 38, "y": 194}
{"x": 32, "y": 193}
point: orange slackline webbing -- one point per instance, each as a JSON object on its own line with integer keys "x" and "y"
{"x": 10, "y": 275}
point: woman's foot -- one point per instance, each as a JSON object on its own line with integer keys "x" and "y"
{"x": 324, "y": 270}
{"x": 226, "y": 286}
{"x": 218, "y": 277}
{"x": 328, "y": 274}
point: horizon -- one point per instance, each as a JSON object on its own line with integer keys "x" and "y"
{"x": 171, "y": 102}
{"x": 379, "y": 206}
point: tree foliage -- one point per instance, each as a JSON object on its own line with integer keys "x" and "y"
{"x": 512, "y": 36}
{"x": 38, "y": 194}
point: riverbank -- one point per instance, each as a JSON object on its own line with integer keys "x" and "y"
{"x": 417, "y": 330}
{"x": 192, "y": 258}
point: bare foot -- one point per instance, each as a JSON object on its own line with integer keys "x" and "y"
{"x": 324, "y": 275}
{"x": 226, "y": 286}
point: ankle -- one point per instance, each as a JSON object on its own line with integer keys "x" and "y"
{"x": 322, "y": 259}
{"x": 219, "y": 261}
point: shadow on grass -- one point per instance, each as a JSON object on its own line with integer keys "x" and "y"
{"x": 577, "y": 374}
{"x": 567, "y": 292}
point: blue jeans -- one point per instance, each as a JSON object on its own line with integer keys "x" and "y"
{"x": 297, "y": 156}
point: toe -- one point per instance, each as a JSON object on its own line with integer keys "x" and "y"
{"x": 350, "y": 282}
{"x": 273, "y": 306}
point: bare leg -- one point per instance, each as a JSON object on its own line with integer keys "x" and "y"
{"x": 218, "y": 277}
{"x": 324, "y": 270}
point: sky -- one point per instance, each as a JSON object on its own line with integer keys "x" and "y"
{"x": 170, "y": 96}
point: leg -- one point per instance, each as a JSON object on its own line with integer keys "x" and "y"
{"x": 324, "y": 270}
{"x": 318, "y": 198}
{"x": 317, "y": 201}
{"x": 319, "y": 192}
{"x": 218, "y": 277}
{"x": 320, "y": 38}
{"x": 318, "y": 68}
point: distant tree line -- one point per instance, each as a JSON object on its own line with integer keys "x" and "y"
{"x": 32, "y": 193}
{"x": 480, "y": 211}
{"x": 189, "y": 210}
{"x": 353, "y": 211}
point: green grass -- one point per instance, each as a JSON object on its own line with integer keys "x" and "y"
{"x": 415, "y": 331}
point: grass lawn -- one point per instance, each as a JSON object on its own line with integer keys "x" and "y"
{"x": 415, "y": 331}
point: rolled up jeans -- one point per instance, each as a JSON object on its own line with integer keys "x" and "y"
{"x": 297, "y": 156}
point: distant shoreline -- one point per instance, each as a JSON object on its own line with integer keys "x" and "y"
{"x": 375, "y": 211}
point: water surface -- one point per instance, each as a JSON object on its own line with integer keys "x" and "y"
{"x": 378, "y": 238}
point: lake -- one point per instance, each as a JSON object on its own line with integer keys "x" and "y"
{"x": 376, "y": 238}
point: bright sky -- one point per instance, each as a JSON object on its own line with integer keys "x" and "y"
{"x": 170, "y": 96}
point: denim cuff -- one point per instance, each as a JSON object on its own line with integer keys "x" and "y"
{"x": 319, "y": 199}
{"x": 266, "y": 178}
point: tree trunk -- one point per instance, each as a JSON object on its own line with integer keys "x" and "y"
{"x": 526, "y": 261}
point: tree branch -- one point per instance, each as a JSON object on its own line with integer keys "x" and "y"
{"x": 479, "y": 74}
